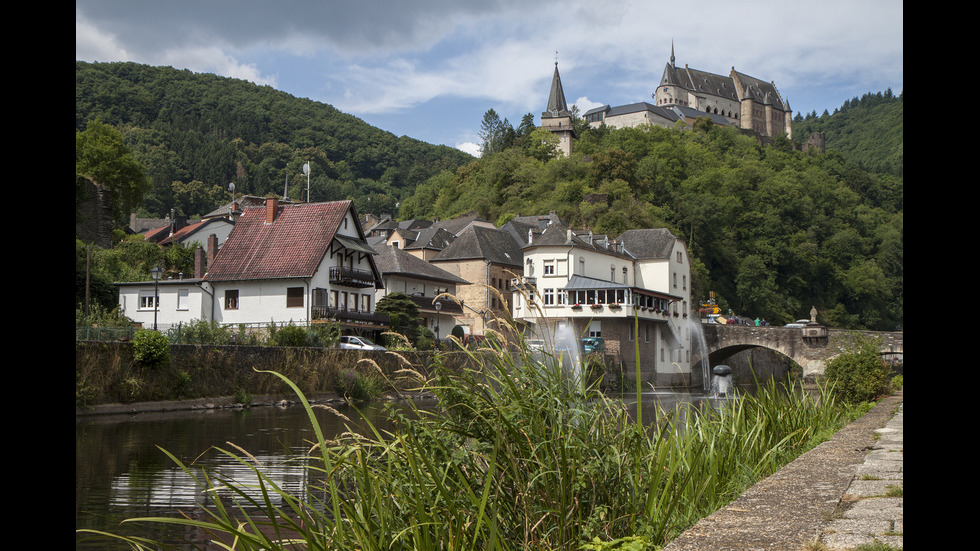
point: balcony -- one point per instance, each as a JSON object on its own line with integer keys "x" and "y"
{"x": 351, "y": 277}
{"x": 349, "y": 317}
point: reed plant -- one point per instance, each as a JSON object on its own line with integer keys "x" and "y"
{"x": 513, "y": 457}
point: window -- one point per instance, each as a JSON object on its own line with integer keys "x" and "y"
{"x": 595, "y": 329}
{"x": 549, "y": 297}
{"x": 231, "y": 299}
{"x": 294, "y": 297}
{"x": 365, "y": 303}
{"x": 549, "y": 267}
{"x": 146, "y": 300}
{"x": 183, "y": 299}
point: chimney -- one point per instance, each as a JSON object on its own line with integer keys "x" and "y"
{"x": 271, "y": 209}
{"x": 200, "y": 263}
{"x": 212, "y": 248}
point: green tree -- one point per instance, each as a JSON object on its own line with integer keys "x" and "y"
{"x": 404, "y": 314}
{"x": 102, "y": 157}
{"x": 495, "y": 133}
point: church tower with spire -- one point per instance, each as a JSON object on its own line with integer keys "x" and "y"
{"x": 557, "y": 118}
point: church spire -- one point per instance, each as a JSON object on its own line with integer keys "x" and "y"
{"x": 672, "y": 54}
{"x": 556, "y": 98}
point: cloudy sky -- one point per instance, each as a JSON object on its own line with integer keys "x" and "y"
{"x": 430, "y": 69}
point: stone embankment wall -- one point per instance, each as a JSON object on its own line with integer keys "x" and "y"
{"x": 107, "y": 372}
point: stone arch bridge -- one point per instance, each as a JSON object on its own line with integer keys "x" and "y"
{"x": 811, "y": 346}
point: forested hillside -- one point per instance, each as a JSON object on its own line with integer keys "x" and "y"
{"x": 195, "y": 133}
{"x": 867, "y": 130}
{"x": 771, "y": 230}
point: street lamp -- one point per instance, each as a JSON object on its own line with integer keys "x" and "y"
{"x": 438, "y": 306}
{"x": 156, "y": 273}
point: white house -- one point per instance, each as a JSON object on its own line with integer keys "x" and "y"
{"x": 594, "y": 286}
{"x": 281, "y": 263}
{"x": 178, "y": 301}
{"x": 403, "y": 272}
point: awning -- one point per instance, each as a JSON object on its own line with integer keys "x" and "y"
{"x": 581, "y": 283}
{"x": 354, "y": 244}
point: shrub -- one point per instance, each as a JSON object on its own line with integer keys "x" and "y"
{"x": 326, "y": 335}
{"x": 203, "y": 332}
{"x": 356, "y": 386}
{"x": 860, "y": 375}
{"x": 151, "y": 348}
{"x": 289, "y": 335}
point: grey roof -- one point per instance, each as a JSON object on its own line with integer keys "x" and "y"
{"x": 458, "y": 224}
{"x": 651, "y": 243}
{"x": 578, "y": 283}
{"x": 519, "y": 231}
{"x": 557, "y": 235}
{"x": 690, "y": 112}
{"x": 392, "y": 260}
{"x": 478, "y": 242}
{"x": 539, "y": 221}
{"x": 701, "y": 82}
{"x": 431, "y": 238}
{"x": 583, "y": 283}
{"x": 556, "y": 98}
{"x": 723, "y": 86}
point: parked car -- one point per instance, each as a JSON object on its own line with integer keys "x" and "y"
{"x": 798, "y": 323}
{"x": 593, "y": 344}
{"x": 358, "y": 343}
{"x": 535, "y": 345}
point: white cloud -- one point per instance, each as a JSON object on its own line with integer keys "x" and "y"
{"x": 469, "y": 147}
{"x": 375, "y": 57}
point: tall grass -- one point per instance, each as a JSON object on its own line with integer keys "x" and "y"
{"x": 512, "y": 458}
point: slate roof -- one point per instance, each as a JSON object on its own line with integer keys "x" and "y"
{"x": 392, "y": 260}
{"x": 456, "y": 225}
{"x": 648, "y": 244}
{"x": 480, "y": 243}
{"x": 431, "y": 238}
{"x": 661, "y": 112}
{"x": 290, "y": 247}
{"x": 555, "y": 235}
{"x": 723, "y": 86}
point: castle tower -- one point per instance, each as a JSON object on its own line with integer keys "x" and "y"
{"x": 558, "y": 119}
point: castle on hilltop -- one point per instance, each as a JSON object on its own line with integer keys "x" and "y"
{"x": 737, "y": 100}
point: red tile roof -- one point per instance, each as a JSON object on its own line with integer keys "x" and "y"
{"x": 291, "y": 246}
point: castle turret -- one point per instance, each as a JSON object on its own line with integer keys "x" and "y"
{"x": 558, "y": 119}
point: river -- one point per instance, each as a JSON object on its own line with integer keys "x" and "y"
{"x": 121, "y": 472}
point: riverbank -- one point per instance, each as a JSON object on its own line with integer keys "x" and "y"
{"x": 223, "y": 402}
{"x": 839, "y": 495}
{"x": 835, "y": 495}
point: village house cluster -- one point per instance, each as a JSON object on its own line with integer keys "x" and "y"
{"x": 308, "y": 263}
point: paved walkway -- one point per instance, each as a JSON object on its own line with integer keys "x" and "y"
{"x": 843, "y": 493}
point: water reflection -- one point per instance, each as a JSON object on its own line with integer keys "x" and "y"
{"x": 121, "y": 472}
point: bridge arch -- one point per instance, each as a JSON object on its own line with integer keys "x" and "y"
{"x": 811, "y": 347}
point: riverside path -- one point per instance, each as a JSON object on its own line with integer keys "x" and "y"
{"x": 841, "y": 494}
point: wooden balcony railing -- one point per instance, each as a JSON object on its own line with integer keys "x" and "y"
{"x": 351, "y": 277}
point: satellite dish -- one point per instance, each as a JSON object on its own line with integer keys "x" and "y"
{"x": 306, "y": 169}
{"x": 231, "y": 187}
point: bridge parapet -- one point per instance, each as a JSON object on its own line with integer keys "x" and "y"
{"x": 811, "y": 346}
